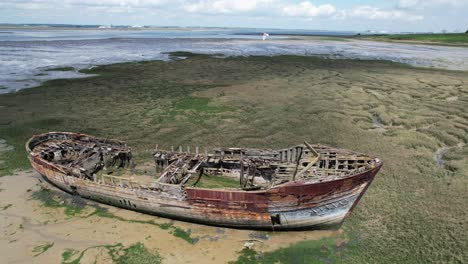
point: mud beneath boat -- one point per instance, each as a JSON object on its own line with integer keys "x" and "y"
{"x": 27, "y": 225}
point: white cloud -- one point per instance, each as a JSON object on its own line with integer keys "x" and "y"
{"x": 307, "y": 9}
{"x": 121, "y": 3}
{"x": 415, "y": 4}
{"x": 371, "y": 12}
{"x": 25, "y": 4}
{"x": 225, "y": 6}
{"x": 407, "y": 3}
{"x": 404, "y": 10}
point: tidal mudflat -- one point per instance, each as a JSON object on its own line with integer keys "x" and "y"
{"x": 44, "y": 225}
{"x": 414, "y": 211}
{"x": 29, "y": 61}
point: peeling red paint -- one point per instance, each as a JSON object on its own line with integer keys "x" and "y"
{"x": 291, "y": 205}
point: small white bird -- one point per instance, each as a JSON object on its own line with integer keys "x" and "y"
{"x": 265, "y": 35}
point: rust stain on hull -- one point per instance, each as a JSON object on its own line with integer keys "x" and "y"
{"x": 305, "y": 188}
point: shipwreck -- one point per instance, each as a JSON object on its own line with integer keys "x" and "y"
{"x": 301, "y": 187}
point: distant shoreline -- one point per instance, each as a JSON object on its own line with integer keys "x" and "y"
{"x": 12, "y": 27}
{"x": 449, "y": 39}
{"x": 446, "y": 39}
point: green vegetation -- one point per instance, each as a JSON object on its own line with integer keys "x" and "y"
{"x": 7, "y": 206}
{"x": 5, "y": 150}
{"x": 102, "y": 212}
{"x": 314, "y": 251}
{"x": 134, "y": 254}
{"x": 73, "y": 206}
{"x": 451, "y": 38}
{"x": 176, "y": 231}
{"x": 212, "y": 181}
{"x": 182, "y": 234}
{"x": 199, "y": 104}
{"x": 61, "y": 69}
{"x": 42, "y": 248}
{"x": 414, "y": 211}
{"x": 138, "y": 254}
{"x": 48, "y": 198}
{"x": 68, "y": 254}
{"x": 188, "y": 54}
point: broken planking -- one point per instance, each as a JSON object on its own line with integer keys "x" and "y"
{"x": 302, "y": 187}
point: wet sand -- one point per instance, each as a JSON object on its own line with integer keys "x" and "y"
{"x": 27, "y": 224}
{"x": 27, "y": 64}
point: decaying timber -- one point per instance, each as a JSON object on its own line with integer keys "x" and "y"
{"x": 305, "y": 186}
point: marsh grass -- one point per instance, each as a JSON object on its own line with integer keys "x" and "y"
{"x": 134, "y": 254}
{"x": 313, "y": 252}
{"x": 68, "y": 254}
{"x": 174, "y": 230}
{"x": 199, "y": 104}
{"x": 102, "y": 212}
{"x": 72, "y": 205}
{"x": 213, "y": 181}
{"x": 138, "y": 254}
{"x": 38, "y": 250}
{"x": 414, "y": 212}
{"x": 442, "y": 38}
{"x": 61, "y": 69}
{"x": 6, "y": 207}
{"x": 183, "y": 234}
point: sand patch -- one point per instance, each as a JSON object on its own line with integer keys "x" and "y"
{"x": 451, "y": 98}
{"x": 26, "y": 225}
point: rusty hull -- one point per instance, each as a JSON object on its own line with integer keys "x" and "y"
{"x": 289, "y": 206}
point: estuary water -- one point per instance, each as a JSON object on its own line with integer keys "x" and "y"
{"x": 26, "y": 56}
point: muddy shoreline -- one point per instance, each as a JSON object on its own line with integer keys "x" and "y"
{"x": 27, "y": 224}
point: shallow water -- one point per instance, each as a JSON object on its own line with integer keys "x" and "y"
{"x": 25, "y": 55}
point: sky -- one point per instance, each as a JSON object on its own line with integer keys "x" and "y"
{"x": 353, "y": 15}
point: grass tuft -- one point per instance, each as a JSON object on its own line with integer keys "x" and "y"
{"x": 42, "y": 248}
{"x": 135, "y": 253}
{"x": 314, "y": 251}
{"x": 73, "y": 206}
{"x": 61, "y": 69}
{"x": 183, "y": 234}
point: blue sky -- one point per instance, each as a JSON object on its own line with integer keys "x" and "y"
{"x": 359, "y": 15}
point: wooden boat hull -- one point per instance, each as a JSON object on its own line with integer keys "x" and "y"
{"x": 290, "y": 206}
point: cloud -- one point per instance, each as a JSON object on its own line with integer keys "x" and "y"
{"x": 225, "y": 6}
{"x": 404, "y": 4}
{"x": 419, "y": 4}
{"x": 405, "y": 10}
{"x": 370, "y": 12}
{"x": 307, "y": 9}
{"x": 25, "y": 4}
{"x": 115, "y": 3}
